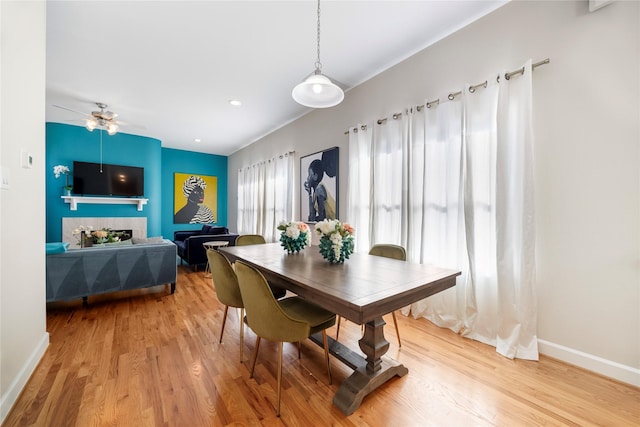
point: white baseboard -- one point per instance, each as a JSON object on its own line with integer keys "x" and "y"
{"x": 13, "y": 392}
{"x": 608, "y": 368}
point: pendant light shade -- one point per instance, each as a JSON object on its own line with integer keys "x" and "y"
{"x": 317, "y": 91}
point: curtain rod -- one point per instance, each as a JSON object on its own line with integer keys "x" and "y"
{"x": 280, "y": 156}
{"x": 452, "y": 95}
{"x": 507, "y": 76}
{"x": 521, "y": 70}
{"x": 355, "y": 129}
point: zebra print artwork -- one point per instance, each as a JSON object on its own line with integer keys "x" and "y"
{"x": 195, "y": 199}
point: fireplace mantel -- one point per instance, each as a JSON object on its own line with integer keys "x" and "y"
{"x": 74, "y": 200}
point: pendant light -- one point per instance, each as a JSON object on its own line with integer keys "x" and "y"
{"x": 317, "y": 90}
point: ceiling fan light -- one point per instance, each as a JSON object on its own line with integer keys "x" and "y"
{"x": 91, "y": 124}
{"x": 112, "y": 128}
{"x": 317, "y": 91}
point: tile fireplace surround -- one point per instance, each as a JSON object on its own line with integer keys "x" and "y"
{"x": 137, "y": 224}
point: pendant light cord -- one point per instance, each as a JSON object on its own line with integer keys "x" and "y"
{"x": 317, "y": 90}
{"x": 101, "y": 131}
{"x": 318, "y": 64}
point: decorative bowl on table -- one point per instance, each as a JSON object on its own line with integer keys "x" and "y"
{"x": 336, "y": 240}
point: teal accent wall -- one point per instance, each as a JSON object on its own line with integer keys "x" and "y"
{"x": 66, "y": 143}
{"x": 189, "y": 162}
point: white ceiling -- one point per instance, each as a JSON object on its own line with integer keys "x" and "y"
{"x": 169, "y": 68}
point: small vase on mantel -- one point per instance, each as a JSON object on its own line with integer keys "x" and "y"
{"x": 85, "y": 239}
{"x": 66, "y": 191}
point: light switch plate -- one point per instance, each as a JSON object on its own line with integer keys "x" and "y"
{"x": 26, "y": 160}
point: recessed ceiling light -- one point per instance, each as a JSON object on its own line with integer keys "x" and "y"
{"x": 197, "y": 140}
{"x": 235, "y": 102}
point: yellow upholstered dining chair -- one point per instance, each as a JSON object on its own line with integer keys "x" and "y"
{"x": 225, "y": 283}
{"x": 257, "y": 239}
{"x": 387, "y": 251}
{"x": 250, "y": 239}
{"x": 288, "y": 320}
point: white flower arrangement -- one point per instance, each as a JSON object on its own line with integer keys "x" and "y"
{"x": 336, "y": 240}
{"x": 63, "y": 170}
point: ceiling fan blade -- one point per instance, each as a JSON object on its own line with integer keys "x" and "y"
{"x": 104, "y": 115}
{"x": 69, "y": 109}
{"x": 131, "y": 125}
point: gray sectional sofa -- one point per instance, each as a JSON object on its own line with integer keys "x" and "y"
{"x": 80, "y": 273}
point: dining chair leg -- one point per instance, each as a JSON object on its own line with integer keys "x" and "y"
{"x": 255, "y": 356}
{"x": 241, "y": 334}
{"x": 224, "y": 321}
{"x": 299, "y": 349}
{"x": 326, "y": 354}
{"x": 338, "y": 328}
{"x": 279, "y": 377}
{"x": 395, "y": 323}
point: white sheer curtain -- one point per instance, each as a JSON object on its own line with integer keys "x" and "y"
{"x": 389, "y": 178}
{"x": 358, "y": 194}
{"x": 515, "y": 209}
{"x": 265, "y": 196}
{"x": 436, "y": 218}
{"x": 459, "y": 193}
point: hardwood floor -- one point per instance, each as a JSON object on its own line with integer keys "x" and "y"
{"x": 148, "y": 358}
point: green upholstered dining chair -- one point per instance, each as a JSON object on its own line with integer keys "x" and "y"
{"x": 257, "y": 239}
{"x": 287, "y": 320}
{"x": 250, "y": 239}
{"x": 225, "y": 283}
{"x": 387, "y": 251}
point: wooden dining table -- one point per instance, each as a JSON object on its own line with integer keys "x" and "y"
{"x": 362, "y": 290}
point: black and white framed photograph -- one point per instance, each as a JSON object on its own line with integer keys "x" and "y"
{"x": 319, "y": 185}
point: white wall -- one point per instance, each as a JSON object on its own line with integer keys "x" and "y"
{"x": 23, "y": 338}
{"x": 587, "y": 130}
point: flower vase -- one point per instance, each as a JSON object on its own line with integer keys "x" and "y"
{"x": 328, "y": 251}
{"x": 66, "y": 191}
{"x": 288, "y": 245}
{"x": 295, "y": 236}
{"x": 85, "y": 239}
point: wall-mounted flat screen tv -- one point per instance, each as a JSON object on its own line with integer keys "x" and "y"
{"x": 92, "y": 179}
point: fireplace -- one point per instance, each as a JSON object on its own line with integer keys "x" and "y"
{"x": 124, "y": 234}
{"x": 135, "y": 226}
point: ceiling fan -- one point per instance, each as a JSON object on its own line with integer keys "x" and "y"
{"x": 104, "y": 118}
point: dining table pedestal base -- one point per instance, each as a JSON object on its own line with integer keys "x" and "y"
{"x": 368, "y": 373}
{"x": 362, "y": 382}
